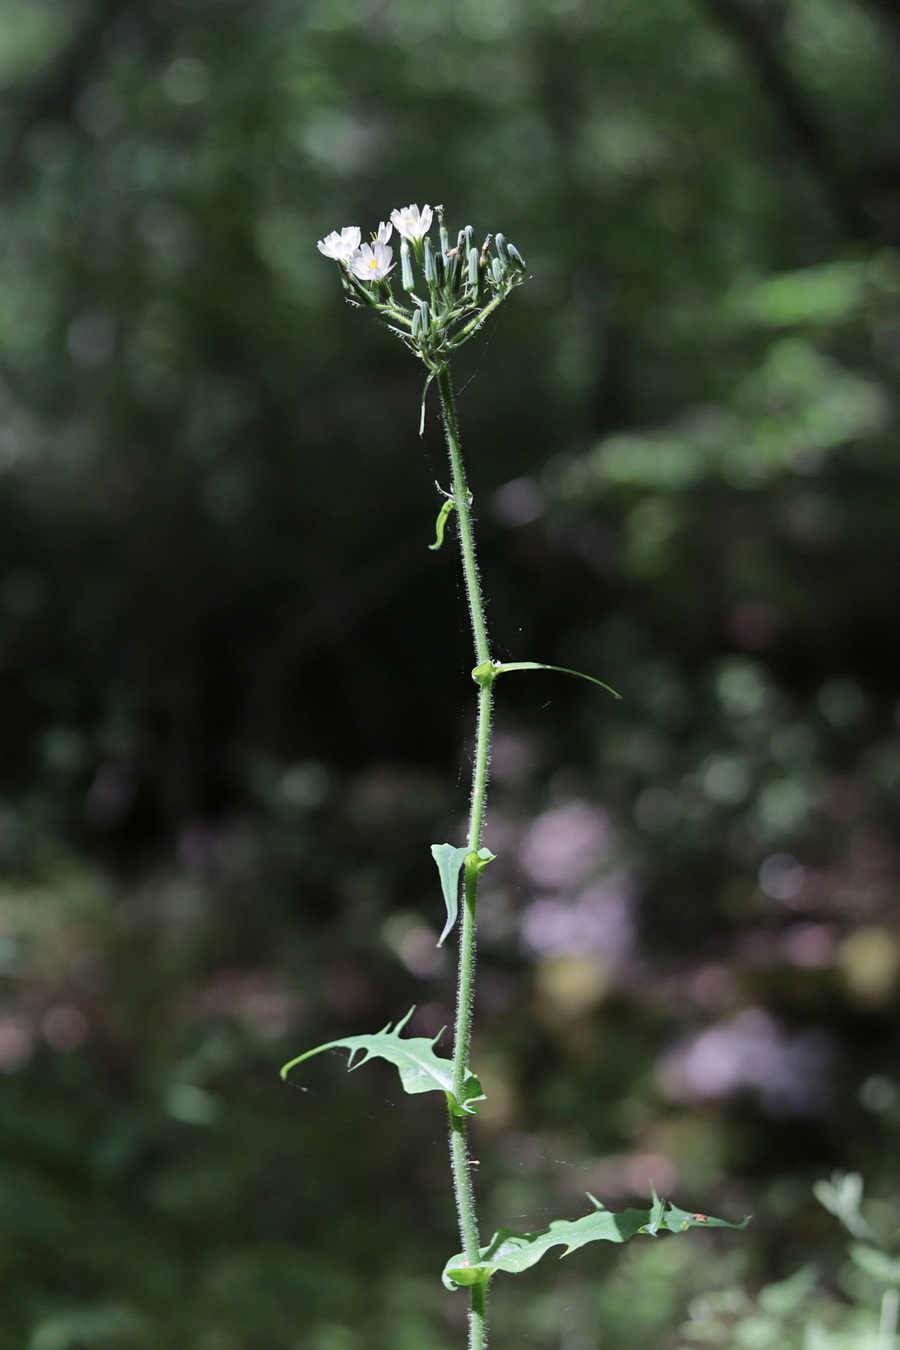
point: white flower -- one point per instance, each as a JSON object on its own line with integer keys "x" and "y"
{"x": 411, "y": 223}
{"x": 341, "y": 246}
{"x": 372, "y": 262}
{"x": 384, "y": 233}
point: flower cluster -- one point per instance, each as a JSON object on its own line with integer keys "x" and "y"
{"x": 462, "y": 284}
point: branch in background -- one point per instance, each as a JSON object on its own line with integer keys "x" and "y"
{"x": 752, "y": 28}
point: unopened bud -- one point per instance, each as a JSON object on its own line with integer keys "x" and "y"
{"x": 473, "y": 268}
{"x": 406, "y": 272}
{"x": 515, "y": 256}
{"x": 497, "y": 271}
{"x": 470, "y": 237}
{"x": 428, "y": 262}
{"x": 500, "y": 246}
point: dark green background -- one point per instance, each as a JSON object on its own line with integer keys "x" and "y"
{"x": 234, "y": 681}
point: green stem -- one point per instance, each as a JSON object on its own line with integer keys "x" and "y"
{"x": 887, "y": 1329}
{"x": 460, "y": 493}
{"x": 474, "y": 324}
{"x": 459, "y": 1151}
{"x": 466, "y": 989}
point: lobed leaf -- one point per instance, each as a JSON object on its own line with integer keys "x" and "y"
{"x": 421, "y": 1070}
{"x": 515, "y": 1252}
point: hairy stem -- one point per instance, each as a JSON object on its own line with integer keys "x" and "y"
{"x": 460, "y": 492}
{"x": 459, "y": 1151}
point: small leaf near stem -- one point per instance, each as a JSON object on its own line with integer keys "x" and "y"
{"x": 424, "y": 397}
{"x": 488, "y": 671}
{"x": 450, "y": 862}
{"x": 440, "y": 525}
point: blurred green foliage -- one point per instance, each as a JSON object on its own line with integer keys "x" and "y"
{"x": 234, "y": 679}
{"x": 797, "y": 1311}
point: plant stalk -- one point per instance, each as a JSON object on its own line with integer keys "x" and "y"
{"x": 887, "y": 1329}
{"x": 459, "y": 1151}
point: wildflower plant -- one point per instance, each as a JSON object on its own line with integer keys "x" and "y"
{"x": 447, "y": 289}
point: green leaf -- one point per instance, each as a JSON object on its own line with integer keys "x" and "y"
{"x": 878, "y": 1264}
{"x": 477, "y": 862}
{"x": 449, "y": 864}
{"x": 487, "y": 672}
{"x": 828, "y": 294}
{"x": 424, "y": 397}
{"x": 450, "y": 861}
{"x": 842, "y": 1196}
{"x": 515, "y": 1252}
{"x": 787, "y": 1298}
{"x": 678, "y": 1220}
{"x": 441, "y": 523}
{"x": 421, "y": 1070}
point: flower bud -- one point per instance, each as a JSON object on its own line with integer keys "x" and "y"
{"x": 469, "y": 234}
{"x": 424, "y": 314}
{"x": 515, "y": 256}
{"x": 500, "y": 245}
{"x": 406, "y": 273}
{"x": 497, "y": 271}
{"x": 428, "y": 262}
{"x": 473, "y": 268}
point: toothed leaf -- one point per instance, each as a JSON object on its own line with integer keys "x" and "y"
{"x": 515, "y": 1252}
{"x": 421, "y": 1070}
{"x": 678, "y": 1220}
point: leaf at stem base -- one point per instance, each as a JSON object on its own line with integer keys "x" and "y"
{"x": 515, "y": 1252}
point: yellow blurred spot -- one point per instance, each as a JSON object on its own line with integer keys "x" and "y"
{"x": 696, "y": 1147}
{"x": 869, "y": 961}
{"x": 569, "y": 986}
{"x": 499, "y": 1111}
